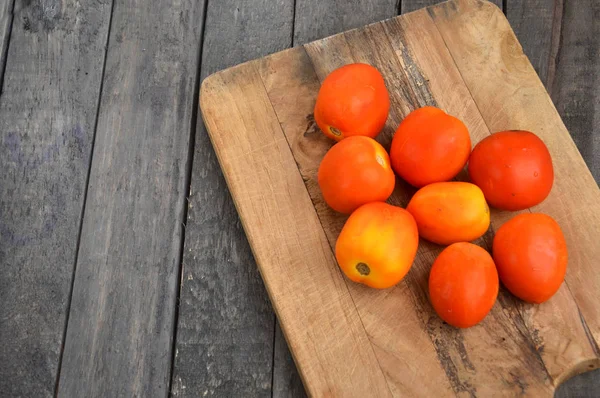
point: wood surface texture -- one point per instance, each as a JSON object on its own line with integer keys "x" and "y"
{"x": 214, "y": 362}
{"x": 6, "y": 18}
{"x": 575, "y": 86}
{"x": 119, "y": 334}
{"x": 413, "y": 5}
{"x": 284, "y": 211}
{"x": 128, "y": 273}
{"x": 226, "y": 331}
{"x": 48, "y": 112}
{"x": 510, "y": 95}
{"x": 286, "y": 380}
{"x": 316, "y": 19}
{"x": 461, "y": 56}
{"x": 533, "y": 22}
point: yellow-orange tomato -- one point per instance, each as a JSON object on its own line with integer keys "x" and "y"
{"x": 377, "y": 245}
{"x": 449, "y": 212}
{"x": 463, "y": 284}
{"x": 355, "y": 171}
{"x": 352, "y": 100}
{"x": 430, "y": 146}
{"x": 530, "y": 252}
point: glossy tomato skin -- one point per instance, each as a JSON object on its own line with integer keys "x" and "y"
{"x": 377, "y": 245}
{"x": 352, "y": 100}
{"x": 450, "y": 212}
{"x": 463, "y": 284}
{"x": 430, "y": 146}
{"x": 531, "y": 255}
{"x": 513, "y": 169}
{"x": 355, "y": 171}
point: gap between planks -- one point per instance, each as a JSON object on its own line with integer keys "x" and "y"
{"x": 555, "y": 43}
{"x": 82, "y": 214}
{"x": 186, "y": 204}
{"x": 5, "y": 37}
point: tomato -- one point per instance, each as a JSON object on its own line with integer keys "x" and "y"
{"x": 352, "y": 100}
{"x": 449, "y": 212}
{"x": 430, "y": 146}
{"x": 355, "y": 171}
{"x": 377, "y": 245}
{"x": 531, "y": 256}
{"x": 513, "y": 169}
{"x": 463, "y": 284}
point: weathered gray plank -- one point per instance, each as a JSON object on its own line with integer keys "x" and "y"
{"x": 47, "y": 116}
{"x": 286, "y": 380}
{"x": 585, "y": 385}
{"x": 120, "y": 328}
{"x": 575, "y": 89}
{"x": 533, "y": 23}
{"x": 412, "y": 5}
{"x": 316, "y": 19}
{"x": 225, "y": 331}
{"x": 559, "y": 39}
{"x": 6, "y": 18}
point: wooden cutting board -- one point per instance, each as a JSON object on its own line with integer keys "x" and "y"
{"x": 347, "y": 339}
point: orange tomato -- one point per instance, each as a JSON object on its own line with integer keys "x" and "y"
{"x": 463, "y": 284}
{"x": 449, "y": 212}
{"x": 513, "y": 169}
{"x": 531, "y": 256}
{"x": 355, "y": 171}
{"x": 352, "y": 100}
{"x": 377, "y": 245}
{"x": 430, "y": 146}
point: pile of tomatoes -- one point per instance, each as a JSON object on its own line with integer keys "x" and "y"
{"x": 510, "y": 170}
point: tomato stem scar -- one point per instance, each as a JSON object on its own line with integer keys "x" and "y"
{"x": 335, "y": 131}
{"x": 363, "y": 269}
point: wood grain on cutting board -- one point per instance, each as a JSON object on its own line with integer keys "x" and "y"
{"x": 511, "y": 96}
{"x": 351, "y": 340}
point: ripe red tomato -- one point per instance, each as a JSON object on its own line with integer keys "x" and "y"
{"x": 430, "y": 146}
{"x": 513, "y": 169}
{"x": 463, "y": 284}
{"x": 353, "y": 100}
{"x": 355, "y": 171}
{"x": 531, "y": 256}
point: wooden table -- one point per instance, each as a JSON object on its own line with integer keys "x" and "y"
{"x": 124, "y": 268}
